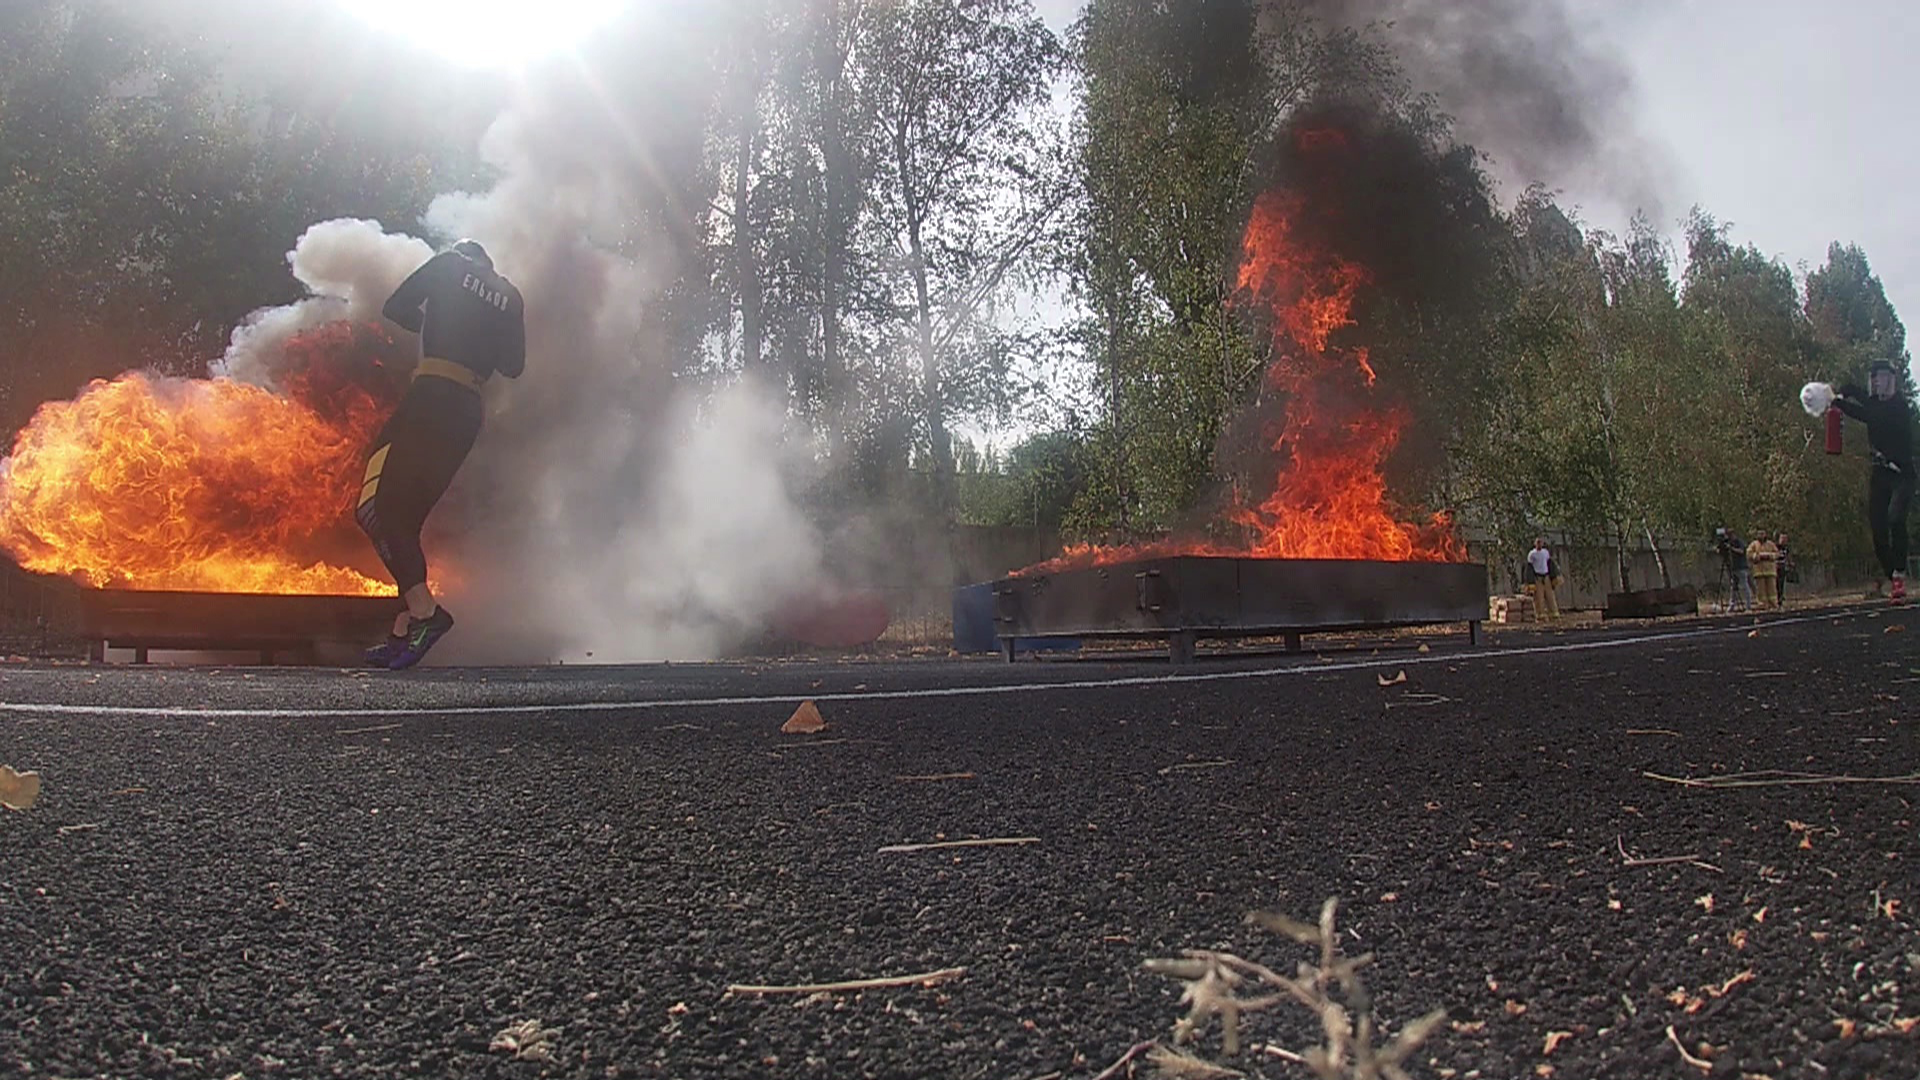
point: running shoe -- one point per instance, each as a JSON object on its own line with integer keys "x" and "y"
{"x": 382, "y": 654}
{"x": 421, "y": 634}
{"x": 1899, "y": 587}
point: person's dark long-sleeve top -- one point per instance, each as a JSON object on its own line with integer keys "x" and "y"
{"x": 1889, "y": 423}
{"x": 464, "y": 312}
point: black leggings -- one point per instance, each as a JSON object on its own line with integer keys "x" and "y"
{"x": 1889, "y": 493}
{"x": 411, "y": 463}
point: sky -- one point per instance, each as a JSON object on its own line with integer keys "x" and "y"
{"x": 1790, "y": 121}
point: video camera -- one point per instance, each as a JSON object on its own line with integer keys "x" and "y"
{"x": 1728, "y": 545}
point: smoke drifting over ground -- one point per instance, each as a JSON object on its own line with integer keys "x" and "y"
{"x": 1525, "y": 83}
{"x": 610, "y": 509}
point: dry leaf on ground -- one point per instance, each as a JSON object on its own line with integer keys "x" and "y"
{"x": 1395, "y": 681}
{"x": 1554, "y": 1039}
{"x": 805, "y": 720}
{"x": 18, "y": 790}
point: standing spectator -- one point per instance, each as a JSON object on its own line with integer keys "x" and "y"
{"x": 1789, "y": 572}
{"x": 1763, "y": 556}
{"x": 1733, "y": 561}
{"x": 1540, "y": 563}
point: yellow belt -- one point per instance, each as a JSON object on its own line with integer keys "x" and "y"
{"x": 432, "y": 367}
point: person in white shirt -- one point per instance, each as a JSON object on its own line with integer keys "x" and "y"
{"x": 1545, "y": 576}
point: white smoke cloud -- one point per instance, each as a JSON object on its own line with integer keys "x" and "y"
{"x": 349, "y": 267}
{"x": 611, "y": 510}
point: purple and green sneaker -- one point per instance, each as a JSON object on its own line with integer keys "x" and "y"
{"x": 421, "y": 634}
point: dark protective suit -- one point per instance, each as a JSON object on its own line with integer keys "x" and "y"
{"x": 1891, "y": 482}
{"x": 472, "y": 323}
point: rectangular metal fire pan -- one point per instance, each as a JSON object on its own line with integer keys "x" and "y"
{"x": 274, "y": 626}
{"x": 1185, "y": 598}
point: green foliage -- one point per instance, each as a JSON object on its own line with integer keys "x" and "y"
{"x": 145, "y": 208}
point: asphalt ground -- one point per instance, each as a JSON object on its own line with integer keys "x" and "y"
{"x": 280, "y": 872}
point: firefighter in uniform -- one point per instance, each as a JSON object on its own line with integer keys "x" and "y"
{"x": 471, "y": 323}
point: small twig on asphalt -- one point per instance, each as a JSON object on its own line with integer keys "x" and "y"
{"x": 1191, "y": 765}
{"x": 1003, "y": 841}
{"x": 1284, "y": 1055}
{"x": 1778, "y": 779}
{"x": 935, "y": 777}
{"x": 1113, "y": 1070}
{"x": 1663, "y": 860}
{"x": 1420, "y": 701}
{"x": 785, "y": 746}
{"x": 1652, "y": 731}
{"x": 1703, "y": 1066}
{"x": 91, "y": 825}
{"x": 367, "y": 730}
{"x": 925, "y": 978}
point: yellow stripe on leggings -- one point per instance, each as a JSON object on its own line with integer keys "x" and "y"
{"x": 375, "y": 464}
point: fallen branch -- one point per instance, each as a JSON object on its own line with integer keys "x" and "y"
{"x": 1113, "y": 1070}
{"x": 1778, "y": 778}
{"x": 1004, "y": 841}
{"x": 925, "y": 978}
{"x": 934, "y": 777}
{"x": 1703, "y": 1066}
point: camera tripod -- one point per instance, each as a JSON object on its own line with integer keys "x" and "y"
{"x": 1738, "y": 599}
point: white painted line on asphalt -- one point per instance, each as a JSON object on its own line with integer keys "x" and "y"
{"x": 995, "y": 689}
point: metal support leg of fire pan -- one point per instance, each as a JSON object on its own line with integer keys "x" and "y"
{"x": 273, "y": 627}
{"x": 1186, "y": 598}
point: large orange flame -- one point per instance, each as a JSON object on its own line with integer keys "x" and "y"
{"x": 1330, "y": 500}
{"x": 150, "y": 482}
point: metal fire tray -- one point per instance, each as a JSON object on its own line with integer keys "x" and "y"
{"x": 1185, "y": 598}
{"x": 295, "y": 626}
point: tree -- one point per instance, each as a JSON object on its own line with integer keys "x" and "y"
{"x": 964, "y": 190}
{"x": 143, "y": 204}
{"x": 1852, "y": 319}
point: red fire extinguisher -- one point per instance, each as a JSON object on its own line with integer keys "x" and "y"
{"x": 1836, "y": 425}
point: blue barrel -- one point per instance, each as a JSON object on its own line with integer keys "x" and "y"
{"x": 973, "y": 627}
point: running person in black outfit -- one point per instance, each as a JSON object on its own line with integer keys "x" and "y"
{"x": 1889, "y": 419}
{"x": 471, "y": 323}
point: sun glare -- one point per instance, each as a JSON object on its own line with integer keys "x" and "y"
{"x": 490, "y": 33}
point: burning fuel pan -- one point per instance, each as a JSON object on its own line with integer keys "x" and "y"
{"x": 303, "y": 628}
{"x": 1185, "y": 598}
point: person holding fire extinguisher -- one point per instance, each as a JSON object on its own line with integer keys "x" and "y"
{"x": 1889, "y": 418}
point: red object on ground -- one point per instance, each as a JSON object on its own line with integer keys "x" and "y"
{"x": 834, "y": 620}
{"x": 1836, "y": 426}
